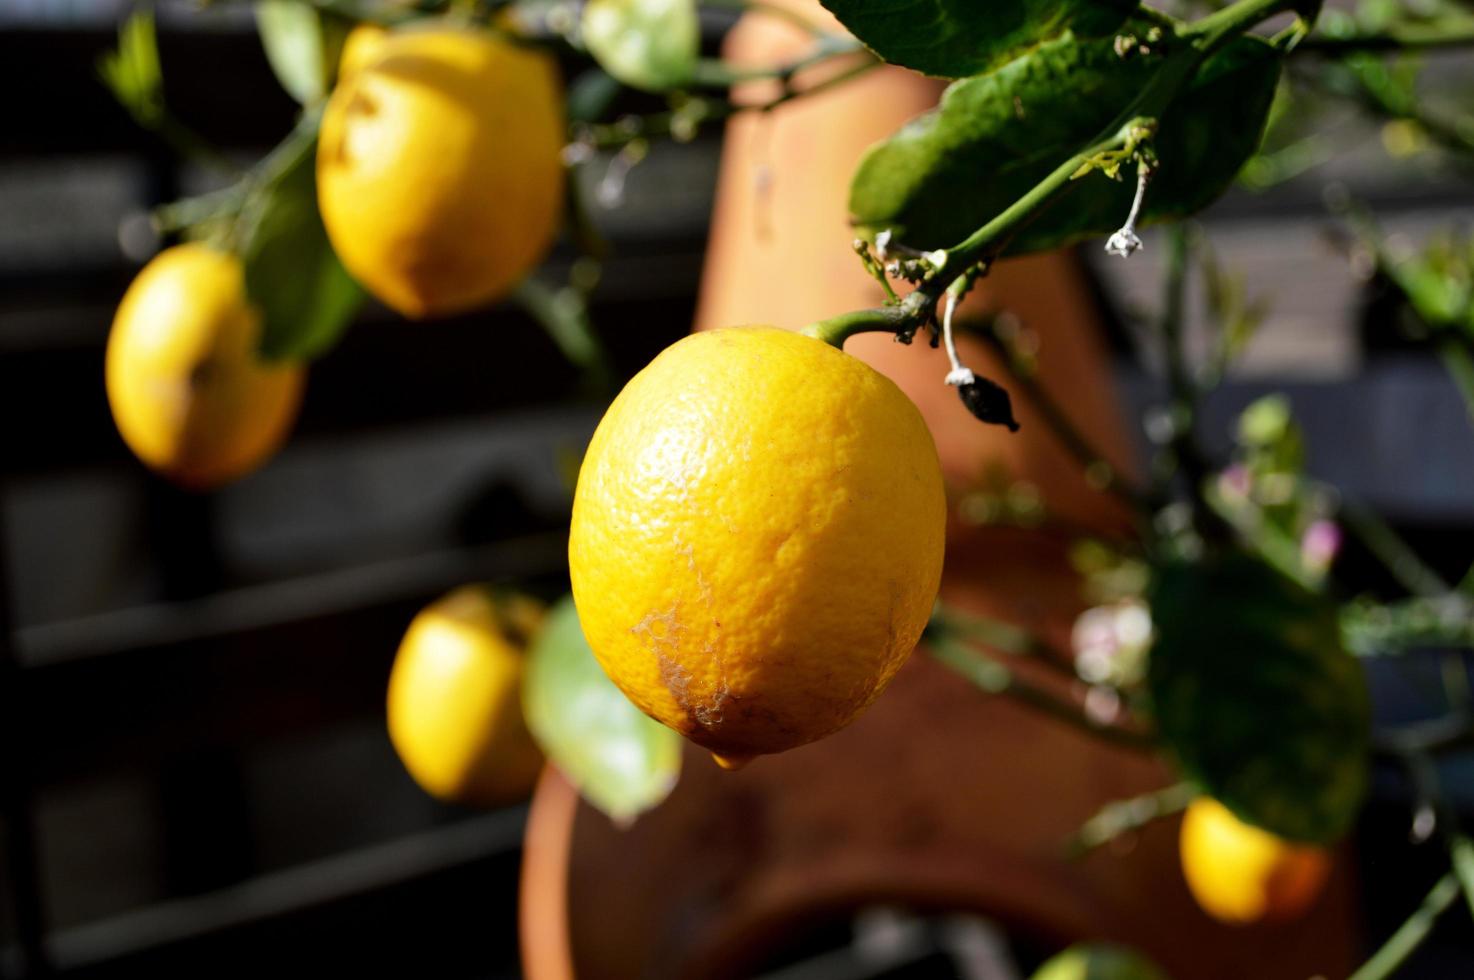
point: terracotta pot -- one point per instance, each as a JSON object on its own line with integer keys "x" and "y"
{"x": 938, "y": 797}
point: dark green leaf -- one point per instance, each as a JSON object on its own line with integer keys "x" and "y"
{"x": 302, "y": 44}
{"x": 622, "y": 762}
{"x": 994, "y": 136}
{"x": 1099, "y": 961}
{"x": 953, "y": 38}
{"x": 590, "y": 95}
{"x": 293, "y": 276}
{"x": 1255, "y": 694}
{"x": 650, "y": 44}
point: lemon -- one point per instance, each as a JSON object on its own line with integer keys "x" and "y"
{"x": 1240, "y": 874}
{"x": 187, "y": 390}
{"x": 439, "y": 170}
{"x": 455, "y": 698}
{"x": 757, "y": 538}
{"x": 361, "y": 46}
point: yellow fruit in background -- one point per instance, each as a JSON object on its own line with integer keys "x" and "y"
{"x": 188, "y": 392}
{"x": 361, "y": 46}
{"x": 455, "y": 698}
{"x": 439, "y": 168}
{"x": 1240, "y": 874}
{"x": 757, "y": 538}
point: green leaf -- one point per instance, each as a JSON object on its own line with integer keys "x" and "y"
{"x": 650, "y": 44}
{"x": 953, "y": 38}
{"x": 1099, "y": 961}
{"x": 621, "y": 761}
{"x": 1256, "y": 696}
{"x": 591, "y": 94}
{"x": 293, "y": 276}
{"x": 994, "y": 136}
{"x": 302, "y": 46}
{"x": 133, "y": 72}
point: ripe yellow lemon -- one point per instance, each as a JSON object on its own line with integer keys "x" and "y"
{"x": 439, "y": 169}
{"x": 1241, "y": 874}
{"x": 757, "y": 538}
{"x": 188, "y": 392}
{"x": 455, "y": 698}
{"x": 361, "y": 46}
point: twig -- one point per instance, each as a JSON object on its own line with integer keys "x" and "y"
{"x": 1402, "y": 943}
{"x": 1098, "y": 470}
{"x": 994, "y": 678}
{"x": 1003, "y": 637}
{"x": 1411, "y": 572}
{"x": 1124, "y": 816}
{"x": 1402, "y": 39}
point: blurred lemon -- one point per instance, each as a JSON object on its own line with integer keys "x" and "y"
{"x": 188, "y": 392}
{"x": 757, "y": 538}
{"x": 1240, "y": 873}
{"x": 439, "y": 168}
{"x": 455, "y": 698}
{"x": 361, "y": 46}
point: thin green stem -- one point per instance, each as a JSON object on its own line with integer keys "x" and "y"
{"x": 1382, "y": 95}
{"x": 1460, "y": 367}
{"x": 994, "y": 678}
{"x": 1461, "y": 852}
{"x": 1410, "y": 38}
{"x": 1402, "y": 943}
{"x": 1003, "y": 637}
{"x": 719, "y": 74}
{"x": 1097, "y": 469}
{"x": 563, "y": 313}
{"x": 695, "y": 111}
{"x": 1122, "y": 817}
{"x": 1399, "y": 558}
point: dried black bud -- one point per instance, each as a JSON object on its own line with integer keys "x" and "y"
{"x": 988, "y": 402}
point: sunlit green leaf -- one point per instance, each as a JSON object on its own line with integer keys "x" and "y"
{"x": 994, "y": 136}
{"x": 293, "y": 276}
{"x": 1257, "y": 698}
{"x": 132, "y": 72}
{"x": 650, "y": 44}
{"x": 302, "y": 44}
{"x": 953, "y": 38}
{"x": 621, "y": 761}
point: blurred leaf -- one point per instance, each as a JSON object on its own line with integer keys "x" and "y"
{"x": 953, "y": 38}
{"x": 305, "y": 295}
{"x": 302, "y": 44}
{"x": 1099, "y": 961}
{"x": 650, "y": 44}
{"x": 590, "y": 95}
{"x": 994, "y": 136}
{"x": 622, "y": 762}
{"x": 133, "y": 72}
{"x": 563, "y": 313}
{"x": 1266, "y": 421}
{"x": 1254, "y": 693}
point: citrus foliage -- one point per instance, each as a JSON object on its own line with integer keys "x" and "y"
{"x": 621, "y": 761}
{"x": 1254, "y": 694}
{"x": 953, "y": 38}
{"x": 995, "y": 135}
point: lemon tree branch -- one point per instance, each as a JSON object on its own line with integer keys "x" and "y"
{"x": 1134, "y": 125}
{"x": 1125, "y": 816}
{"x": 990, "y": 676}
